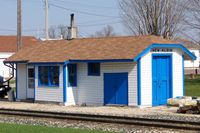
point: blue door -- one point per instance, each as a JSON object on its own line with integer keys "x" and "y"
{"x": 161, "y": 76}
{"x": 116, "y": 88}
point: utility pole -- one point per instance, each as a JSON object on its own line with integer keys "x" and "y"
{"x": 46, "y": 19}
{"x": 19, "y": 25}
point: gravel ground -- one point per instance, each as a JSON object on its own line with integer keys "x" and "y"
{"x": 87, "y": 125}
{"x": 161, "y": 112}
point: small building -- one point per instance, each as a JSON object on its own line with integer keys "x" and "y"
{"x": 192, "y": 66}
{"x": 134, "y": 71}
{"x": 8, "y": 46}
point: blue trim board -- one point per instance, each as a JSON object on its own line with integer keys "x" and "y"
{"x": 26, "y": 81}
{"x": 183, "y": 75}
{"x": 16, "y": 83}
{"x": 192, "y": 56}
{"x": 172, "y": 77}
{"x": 139, "y": 81}
{"x": 34, "y": 82}
{"x": 46, "y": 63}
{"x": 65, "y": 83}
{"x": 99, "y": 61}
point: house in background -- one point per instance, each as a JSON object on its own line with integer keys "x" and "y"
{"x": 8, "y": 47}
{"x": 134, "y": 71}
{"x": 191, "y": 66}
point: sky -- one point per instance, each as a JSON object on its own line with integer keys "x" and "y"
{"x": 90, "y": 16}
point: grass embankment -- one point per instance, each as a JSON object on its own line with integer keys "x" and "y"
{"x": 192, "y": 86}
{"x": 15, "y": 128}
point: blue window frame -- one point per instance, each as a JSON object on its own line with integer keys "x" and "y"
{"x": 48, "y": 76}
{"x": 93, "y": 69}
{"x": 72, "y": 75}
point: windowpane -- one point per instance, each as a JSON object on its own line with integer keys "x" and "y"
{"x": 31, "y": 73}
{"x": 54, "y": 75}
{"x": 31, "y": 79}
{"x": 72, "y": 74}
{"x": 31, "y": 83}
{"x": 43, "y": 75}
{"x": 49, "y": 75}
{"x": 94, "y": 69}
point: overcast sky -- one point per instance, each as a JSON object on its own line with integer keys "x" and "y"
{"x": 90, "y": 15}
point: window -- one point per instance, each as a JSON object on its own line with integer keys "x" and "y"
{"x": 48, "y": 75}
{"x": 72, "y": 75}
{"x": 94, "y": 69}
{"x": 31, "y": 78}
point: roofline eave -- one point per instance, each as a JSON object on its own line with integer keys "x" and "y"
{"x": 15, "y": 62}
{"x": 155, "y": 45}
{"x": 98, "y": 61}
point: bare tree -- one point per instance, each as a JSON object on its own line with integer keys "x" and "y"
{"x": 156, "y": 17}
{"x": 58, "y": 31}
{"x": 52, "y": 32}
{"x": 193, "y": 18}
{"x": 62, "y": 31}
{"x": 107, "y": 31}
{"x": 194, "y": 14}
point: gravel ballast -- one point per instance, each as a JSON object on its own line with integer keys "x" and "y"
{"x": 161, "y": 112}
{"x": 86, "y": 125}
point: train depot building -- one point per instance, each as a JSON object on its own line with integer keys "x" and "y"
{"x": 133, "y": 71}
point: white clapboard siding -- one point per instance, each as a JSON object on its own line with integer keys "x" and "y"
{"x": 146, "y": 76}
{"x": 71, "y": 96}
{"x": 177, "y": 73}
{"x": 146, "y": 80}
{"x": 90, "y": 89}
{"x": 21, "y": 81}
{"x": 51, "y": 94}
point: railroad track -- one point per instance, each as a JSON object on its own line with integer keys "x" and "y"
{"x": 173, "y": 124}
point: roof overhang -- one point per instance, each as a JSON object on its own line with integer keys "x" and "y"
{"x": 15, "y": 62}
{"x": 34, "y": 63}
{"x": 187, "y": 53}
{"x": 99, "y": 60}
{"x": 179, "y": 46}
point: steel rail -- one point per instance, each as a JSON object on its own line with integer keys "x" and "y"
{"x": 164, "y": 123}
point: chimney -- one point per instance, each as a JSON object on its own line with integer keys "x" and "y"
{"x": 72, "y": 30}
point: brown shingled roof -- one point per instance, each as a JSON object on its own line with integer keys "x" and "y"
{"x": 88, "y": 49}
{"x": 8, "y": 43}
{"x": 188, "y": 44}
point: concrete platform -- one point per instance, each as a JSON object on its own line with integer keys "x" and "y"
{"x": 160, "y": 112}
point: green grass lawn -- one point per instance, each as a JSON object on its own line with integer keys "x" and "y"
{"x": 192, "y": 86}
{"x": 15, "y": 128}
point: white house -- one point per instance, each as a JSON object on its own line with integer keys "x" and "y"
{"x": 8, "y": 47}
{"x": 134, "y": 71}
{"x": 191, "y": 66}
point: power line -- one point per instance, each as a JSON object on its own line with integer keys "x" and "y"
{"x": 103, "y": 20}
{"x": 93, "y": 6}
{"x": 82, "y": 12}
{"x": 100, "y": 24}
